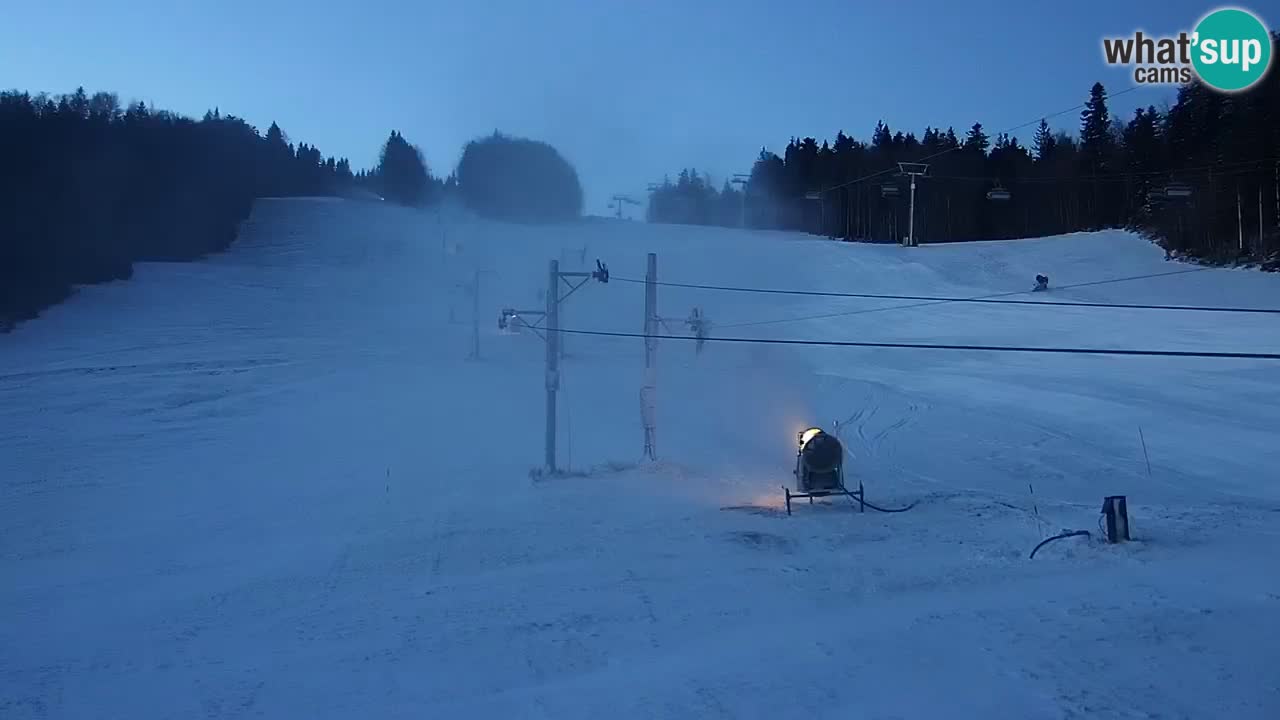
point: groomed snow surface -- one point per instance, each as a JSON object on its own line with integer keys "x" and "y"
{"x": 271, "y": 484}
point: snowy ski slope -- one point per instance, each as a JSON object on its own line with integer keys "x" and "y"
{"x": 271, "y": 484}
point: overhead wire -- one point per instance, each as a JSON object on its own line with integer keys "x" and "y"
{"x": 993, "y": 298}
{"x": 865, "y": 311}
{"x": 939, "y": 346}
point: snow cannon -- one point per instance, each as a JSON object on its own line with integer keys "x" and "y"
{"x": 818, "y": 461}
{"x": 819, "y": 468}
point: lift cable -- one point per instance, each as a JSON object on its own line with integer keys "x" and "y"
{"x": 939, "y": 346}
{"x": 993, "y": 299}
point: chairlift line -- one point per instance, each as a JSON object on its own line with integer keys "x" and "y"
{"x": 939, "y": 346}
{"x": 995, "y": 299}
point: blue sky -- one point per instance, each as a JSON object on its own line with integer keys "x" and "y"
{"x": 627, "y": 90}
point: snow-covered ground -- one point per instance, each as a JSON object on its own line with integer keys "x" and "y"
{"x": 271, "y": 484}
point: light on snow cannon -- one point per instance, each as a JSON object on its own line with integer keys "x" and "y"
{"x": 808, "y": 435}
{"x": 819, "y": 463}
{"x": 820, "y": 468}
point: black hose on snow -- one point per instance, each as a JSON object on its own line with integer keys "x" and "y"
{"x": 1046, "y": 541}
{"x": 877, "y": 508}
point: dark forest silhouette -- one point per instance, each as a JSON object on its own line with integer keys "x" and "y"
{"x": 1201, "y": 177}
{"x": 87, "y": 188}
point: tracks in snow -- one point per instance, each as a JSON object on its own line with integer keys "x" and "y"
{"x": 876, "y": 428}
{"x": 191, "y": 367}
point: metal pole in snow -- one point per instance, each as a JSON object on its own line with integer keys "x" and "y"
{"x": 1239, "y": 220}
{"x": 560, "y": 341}
{"x": 475, "y": 316}
{"x": 647, "y": 390}
{"x": 553, "y": 360}
{"x": 911, "y": 222}
{"x": 650, "y": 309}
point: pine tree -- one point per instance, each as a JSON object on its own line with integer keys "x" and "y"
{"x": 1096, "y": 141}
{"x": 275, "y": 138}
{"x": 929, "y": 141}
{"x": 882, "y": 138}
{"x": 1097, "y": 150}
{"x": 402, "y": 175}
{"x": 977, "y": 141}
{"x": 1043, "y": 142}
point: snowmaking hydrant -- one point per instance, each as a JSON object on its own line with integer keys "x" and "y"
{"x": 820, "y": 469}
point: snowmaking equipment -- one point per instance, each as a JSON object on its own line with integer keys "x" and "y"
{"x": 820, "y": 469}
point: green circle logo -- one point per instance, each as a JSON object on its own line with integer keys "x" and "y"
{"x": 1232, "y": 49}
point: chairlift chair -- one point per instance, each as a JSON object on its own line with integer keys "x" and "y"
{"x": 1177, "y": 191}
{"x": 889, "y": 190}
{"x": 998, "y": 193}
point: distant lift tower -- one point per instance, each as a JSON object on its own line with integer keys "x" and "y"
{"x": 914, "y": 170}
{"x": 619, "y": 201}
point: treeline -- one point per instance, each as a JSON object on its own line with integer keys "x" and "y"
{"x": 88, "y": 187}
{"x": 693, "y": 200}
{"x": 1202, "y": 177}
{"x": 499, "y": 176}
